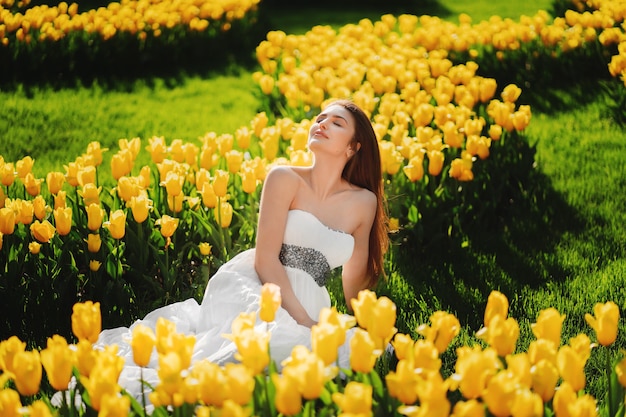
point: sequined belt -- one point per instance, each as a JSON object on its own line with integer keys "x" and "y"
{"x": 309, "y": 260}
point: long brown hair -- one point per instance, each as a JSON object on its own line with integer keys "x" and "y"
{"x": 364, "y": 170}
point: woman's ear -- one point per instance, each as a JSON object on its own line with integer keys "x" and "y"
{"x": 353, "y": 149}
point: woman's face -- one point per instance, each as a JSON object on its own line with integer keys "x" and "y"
{"x": 332, "y": 131}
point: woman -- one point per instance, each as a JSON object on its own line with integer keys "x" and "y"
{"x": 311, "y": 220}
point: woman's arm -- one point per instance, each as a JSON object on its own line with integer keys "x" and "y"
{"x": 279, "y": 189}
{"x": 355, "y": 275}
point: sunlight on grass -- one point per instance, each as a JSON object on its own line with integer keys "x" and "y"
{"x": 53, "y": 126}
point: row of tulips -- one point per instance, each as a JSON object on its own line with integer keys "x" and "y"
{"x": 491, "y": 377}
{"x": 61, "y": 39}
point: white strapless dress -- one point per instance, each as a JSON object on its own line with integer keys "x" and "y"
{"x": 310, "y": 251}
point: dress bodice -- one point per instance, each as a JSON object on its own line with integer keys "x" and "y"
{"x": 311, "y": 246}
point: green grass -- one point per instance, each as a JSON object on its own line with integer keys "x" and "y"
{"x": 55, "y": 126}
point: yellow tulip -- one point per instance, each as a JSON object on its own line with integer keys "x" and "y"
{"x": 7, "y": 173}
{"x": 1, "y": 240}
{"x": 571, "y": 367}
{"x": 544, "y": 376}
{"x": 8, "y": 349}
{"x": 270, "y": 301}
{"x": 55, "y": 181}
{"x": 10, "y": 404}
{"x": 58, "y": 360}
{"x": 90, "y": 194}
{"x": 325, "y": 341}
{"x": 527, "y": 404}
{"x": 40, "y": 207}
{"x": 168, "y": 225}
{"x": 220, "y": 182}
{"x": 205, "y": 248}
{"x": 25, "y": 211}
{"x": 240, "y": 382}
{"x": 564, "y": 398}
{"x": 32, "y": 184}
{"x": 308, "y": 370}
{"x": 71, "y": 172}
{"x": 382, "y": 328}
{"x": 95, "y": 214}
{"x": 363, "y": 307}
{"x": 95, "y": 151}
{"x": 249, "y": 181}
{"x": 127, "y": 188}
{"x": 24, "y": 166}
{"x": 501, "y": 334}
{"x": 225, "y": 143}
{"x": 157, "y": 149}
{"x": 495, "y": 132}
{"x": 42, "y": 231}
{"x": 86, "y": 321}
{"x": 86, "y": 175}
{"x": 243, "y": 136}
{"x": 27, "y": 371}
{"x": 252, "y": 349}
{"x": 445, "y": 327}
{"x": 471, "y": 408}
{"x": 39, "y": 409}
{"x": 581, "y": 345}
{"x": 142, "y": 343}
{"x": 497, "y": 305}
{"x": 140, "y": 207}
{"x": 414, "y": 169}
{"x": 478, "y": 145}
{"x": 542, "y": 349}
{"x": 101, "y": 384}
{"x": 173, "y": 183}
{"x": 474, "y": 368}
{"x": 114, "y": 405}
{"x": 94, "y": 265}
{"x": 288, "y": 401}
{"x": 356, "y": 398}
{"x": 63, "y": 220}
{"x": 363, "y": 352}
{"x": 93, "y": 242}
{"x": 213, "y": 387}
{"x": 7, "y": 221}
{"x": 234, "y": 159}
{"x": 116, "y": 224}
{"x": 223, "y": 213}
{"x": 175, "y": 203}
{"x": 500, "y": 393}
{"x": 461, "y": 168}
{"x": 511, "y": 93}
{"x": 605, "y": 322}
{"x": 209, "y": 199}
{"x": 259, "y": 122}
{"x": 403, "y": 382}
{"x": 60, "y": 199}
{"x": 34, "y": 247}
{"x": 121, "y": 163}
{"x": 86, "y": 357}
{"x": 548, "y": 325}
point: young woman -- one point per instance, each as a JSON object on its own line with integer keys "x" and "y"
{"x": 311, "y": 220}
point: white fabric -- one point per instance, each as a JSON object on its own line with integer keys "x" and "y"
{"x": 236, "y": 288}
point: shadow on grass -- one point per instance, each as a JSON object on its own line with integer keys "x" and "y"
{"x": 513, "y": 249}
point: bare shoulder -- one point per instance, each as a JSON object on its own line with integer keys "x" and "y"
{"x": 363, "y": 204}
{"x": 283, "y": 176}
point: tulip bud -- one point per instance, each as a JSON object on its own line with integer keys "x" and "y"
{"x": 28, "y": 371}
{"x": 58, "y": 360}
{"x": 116, "y": 224}
{"x": 270, "y": 301}
{"x": 63, "y": 220}
{"x": 55, "y": 181}
{"x": 42, "y": 231}
{"x": 605, "y": 322}
{"x": 142, "y": 343}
